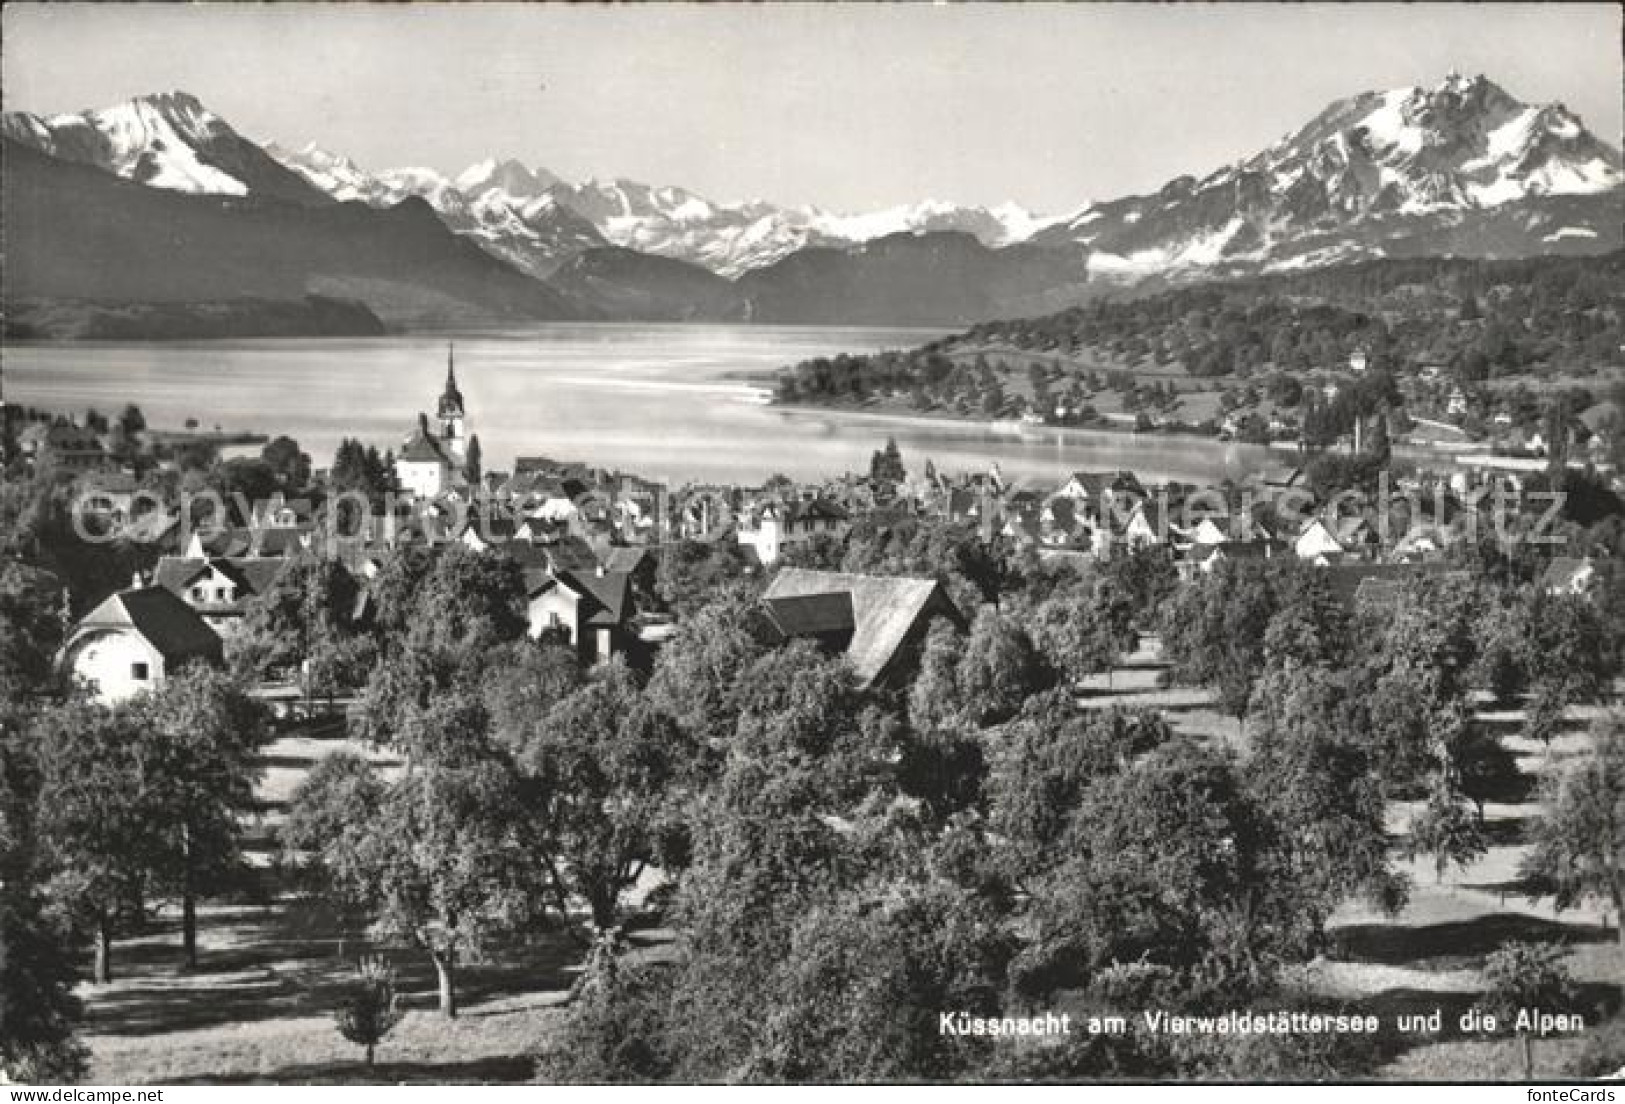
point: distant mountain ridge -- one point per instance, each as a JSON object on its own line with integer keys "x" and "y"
{"x": 519, "y": 212}
{"x": 77, "y": 235}
{"x": 1397, "y": 173}
{"x": 1459, "y": 169}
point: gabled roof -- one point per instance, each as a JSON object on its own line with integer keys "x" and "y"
{"x": 885, "y": 610}
{"x": 171, "y": 626}
{"x": 1118, "y": 482}
{"x": 252, "y": 575}
{"x": 608, "y": 596}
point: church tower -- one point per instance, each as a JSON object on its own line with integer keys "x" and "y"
{"x": 453, "y": 433}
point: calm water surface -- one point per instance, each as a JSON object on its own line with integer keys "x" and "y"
{"x": 662, "y": 401}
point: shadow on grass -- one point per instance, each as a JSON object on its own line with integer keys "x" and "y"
{"x": 1455, "y": 944}
{"x": 507, "y": 1069}
{"x": 277, "y": 968}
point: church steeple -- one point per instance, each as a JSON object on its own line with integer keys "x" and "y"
{"x": 452, "y": 431}
{"x": 451, "y": 399}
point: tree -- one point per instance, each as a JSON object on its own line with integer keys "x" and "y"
{"x": 998, "y": 669}
{"x": 1168, "y": 863}
{"x": 473, "y": 466}
{"x": 369, "y": 1008}
{"x": 1082, "y": 630}
{"x": 1313, "y": 770}
{"x": 1520, "y": 976}
{"x": 38, "y": 1010}
{"x": 204, "y": 734}
{"x": 887, "y": 464}
{"x": 288, "y": 463}
{"x": 1579, "y": 847}
{"x": 444, "y": 858}
{"x": 31, "y": 629}
{"x": 102, "y": 823}
{"x": 132, "y": 421}
{"x": 1213, "y": 632}
{"x": 1444, "y": 829}
{"x": 614, "y": 770}
{"x": 302, "y": 621}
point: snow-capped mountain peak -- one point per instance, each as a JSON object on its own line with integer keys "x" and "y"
{"x": 166, "y": 140}
{"x": 1406, "y": 169}
{"x": 507, "y": 176}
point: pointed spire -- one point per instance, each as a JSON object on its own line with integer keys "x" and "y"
{"x": 451, "y": 367}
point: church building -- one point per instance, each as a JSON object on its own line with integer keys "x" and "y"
{"x": 433, "y": 459}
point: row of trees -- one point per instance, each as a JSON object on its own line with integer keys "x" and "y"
{"x": 106, "y": 813}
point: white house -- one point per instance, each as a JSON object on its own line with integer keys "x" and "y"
{"x": 1316, "y": 541}
{"x": 778, "y": 527}
{"x": 136, "y": 639}
{"x": 594, "y": 610}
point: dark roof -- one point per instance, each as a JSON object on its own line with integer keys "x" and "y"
{"x": 811, "y": 614}
{"x": 1118, "y": 482}
{"x": 885, "y": 611}
{"x": 609, "y": 595}
{"x": 423, "y": 446}
{"x": 253, "y": 575}
{"x": 163, "y": 620}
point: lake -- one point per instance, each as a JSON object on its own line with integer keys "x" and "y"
{"x": 662, "y": 401}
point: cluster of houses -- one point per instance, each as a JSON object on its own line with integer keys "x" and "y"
{"x": 588, "y": 541}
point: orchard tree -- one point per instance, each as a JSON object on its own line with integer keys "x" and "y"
{"x": 103, "y": 823}
{"x": 1579, "y": 847}
{"x": 445, "y": 858}
{"x": 1520, "y": 976}
{"x": 1213, "y": 632}
{"x": 1313, "y": 770}
{"x": 1444, "y": 829}
{"x": 205, "y": 735}
{"x": 1081, "y": 630}
{"x": 615, "y": 771}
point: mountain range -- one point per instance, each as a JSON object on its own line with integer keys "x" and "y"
{"x": 1461, "y": 168}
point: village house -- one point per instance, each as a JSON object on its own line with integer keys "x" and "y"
{"x": 1097, "y": 493}
{"x": 774, "y": 528}
{"x": 62, "y": 446}
{"x": 219, "y": 588}
{"x": 135, "y": 640}
{"x": 1317, "y": 543}
{"x": 1568, "y": 575}
{"x": 594, "y": 610}
{"x": 878, "y": 622}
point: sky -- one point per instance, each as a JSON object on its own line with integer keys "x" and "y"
{"x": 849, "y": 107}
